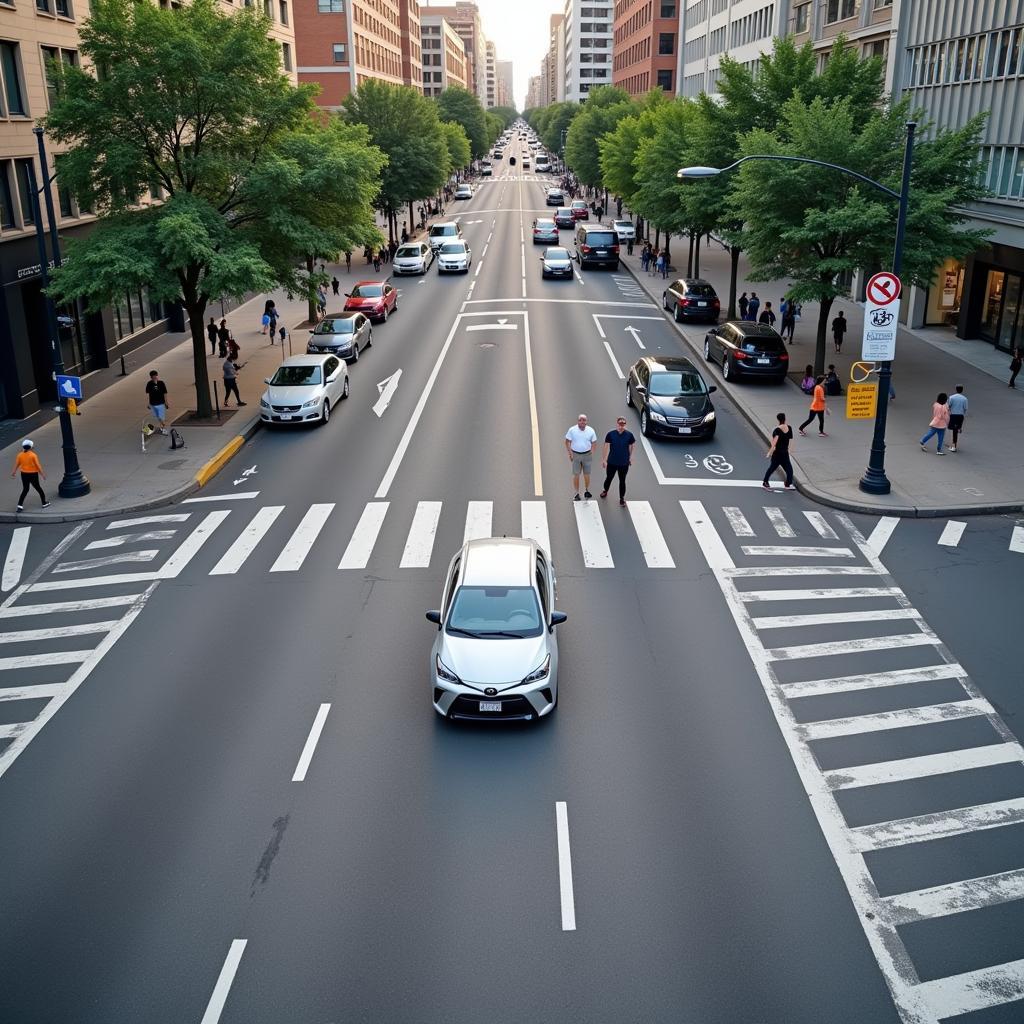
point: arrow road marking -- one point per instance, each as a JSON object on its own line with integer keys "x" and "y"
{"x": 246, "y": 473}
{"x": 636, "y": 335}
{"x": 386, "y": 389}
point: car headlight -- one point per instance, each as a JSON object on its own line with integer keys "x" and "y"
{"x": 445, "y": 673}
{"x": 311, "y": 403}
{"x": 710, "y": 418}
{"x": 264, "y": 404}
{"x": 540, "y": 672}
{"x": 657, "y": 416}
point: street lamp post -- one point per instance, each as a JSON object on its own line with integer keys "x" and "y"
{"x": 874, "y": 480}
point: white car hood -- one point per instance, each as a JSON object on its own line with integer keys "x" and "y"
{"x": 278, "y": 395}
{"x": 497, "y": 661}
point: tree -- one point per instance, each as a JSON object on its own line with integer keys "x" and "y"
{"x": 507, "y": 115}
{"x": 459, "y": 154}
{"x": 459, "y": 105}
{"x": 605, "y": 107}
{"x": 495, "y": 126}
{"x": 251, "y": 186}
{"x": 558, "y": 118}
{"x": 618, "y": 148}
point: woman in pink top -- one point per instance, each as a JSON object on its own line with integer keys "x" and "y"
{"x": 937, "y": 427}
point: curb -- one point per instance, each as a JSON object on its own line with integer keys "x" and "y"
{"x": 824, "y": 497}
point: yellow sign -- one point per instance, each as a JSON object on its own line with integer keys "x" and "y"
{"x": 861, "y": 401}
{"x": 72, "y": 406}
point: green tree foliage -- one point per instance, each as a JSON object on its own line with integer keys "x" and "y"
{"x": 559, "y": 117}
{"x": 507, "y": 115}
{"x": 459, "y": 105}
{"x": 251, "y": 184}
{"x": 495, "y": 126}
{"x": 459, "y": 154}
{"x": 618, "y": 148}
{"x": 605, "y": 107}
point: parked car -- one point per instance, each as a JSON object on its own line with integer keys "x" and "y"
{"x": 692, "y": 298}
{"x": 463, "y": 191}
{"x": 443, "y": 231}
{"x": 454, "y": 256}
{"x": 376, "y": 299}
{"x": 554, "y": 197}
{"x": 565, "y": 218}
{"x": 580, "y": 210}
{"x": 624, "y": 229}
{"x": 556, "y": 262}
{"x": 597, "y": 244}
{"x": 412, "y": 258}
{"x": 344, "y": 335}
{"x": 747, "y": 349}
{"x": 304, "y": 389}
{"x": 545, "y": 231}
{"x": 671, "y": 397}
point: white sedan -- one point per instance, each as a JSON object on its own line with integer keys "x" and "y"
{"x": 412, "y": 258}
{"x": 304, "y": 389}
{"x": 454, "y": 257}
{"x": 464, "y": 192}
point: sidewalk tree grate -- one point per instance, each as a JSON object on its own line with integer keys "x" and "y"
{"x": 190, "y": 419}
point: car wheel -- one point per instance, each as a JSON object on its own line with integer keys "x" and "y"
{"x": 355, "y": 353}
{"x": 645, "y": 424}
{"x": 369, "y": 338}
{"x": 344, "y": 390}
{"x": 325, "y": 416}
{"x": 727, "y": 372}
{"x": 676, "y": 315}
{"x": 384, "y": 317}
{"x": 664, "y": 300}
{"x": 707, "y": 350}
{"x": 629, "y": 396}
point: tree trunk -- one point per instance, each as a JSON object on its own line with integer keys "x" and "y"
{"x": 819, "y": 349}
{"x": 668, "y": 254}
{"x": 196, "y": 310}
{"x": 689, "y": 259}
{"x": 696, "y": 254}
{"x": 311, "y": 303}
{"x": 734, "y": 271}
{"x": 657, "y": 238}
{"x": 412, "y": 219}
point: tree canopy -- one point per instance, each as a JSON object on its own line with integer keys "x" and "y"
{"x": 459, "y": 105}
{"x": 606, "y": 106}
{"x": 458, "y": 145}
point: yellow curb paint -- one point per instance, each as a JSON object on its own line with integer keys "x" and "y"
{"x": 216, "y": 464}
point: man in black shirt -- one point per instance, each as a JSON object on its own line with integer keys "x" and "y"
{"x": 156, "y": 392}
{"x": 211, "y": 333}
{"x": 617, "y": 457}
{"x": 779, "y": 453}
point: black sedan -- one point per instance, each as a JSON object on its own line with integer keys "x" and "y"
{"x": 565, "y": 218}
{"x": 745, "y": 349}
{"x": 672, "y": 398}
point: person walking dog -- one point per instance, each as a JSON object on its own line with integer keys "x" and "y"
{"x": 27, "y": 463}
{"x": 938, "y": 424}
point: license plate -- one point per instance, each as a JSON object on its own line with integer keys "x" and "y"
{"x": 286, "y": 416}
{"x": 684, "y": 430}
{"x": 701, "y": 303}
{"x": 488, "y": 705}
{"x": 763, "y": 362}
{"x": 601, "y": 252}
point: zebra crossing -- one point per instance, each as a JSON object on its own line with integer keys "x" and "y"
{"x": 872, "y": 707}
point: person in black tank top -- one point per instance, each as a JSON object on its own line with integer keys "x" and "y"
{"x": 778, "y": 453}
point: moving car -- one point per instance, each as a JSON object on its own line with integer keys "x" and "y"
{"x": 486, "y": 172}
{"x": 443, "y": 231}
{"x": 564, "y": 217}
{"x": 454, "y": 256}
{"x": 303, "y": 389}
{"x": 463, "y": 191}
{"x": 374, "y": 298}
{"x": 545, "y": 230}
{"x": 495, "y": 655}
{"x": 344, "y": 335}
{"x": 556, "y": 262}
{"x": 543, "y": 165}
{"x": 692, "y": 298}
{"x": 555, "y": 196}
{"x": 671, "y": 396}
{"x": 747, "y": 349}
{"x": 597, "y": 244}
{"x": 412, "y": 258}
{"x": 624, "y": 229}
{"x": 526, "y": 162}
{"x": 580, "y": 210}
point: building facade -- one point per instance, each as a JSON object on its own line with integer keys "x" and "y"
{"x": 412, "y": 56}
{"x": 506, "y": 94}
{"x": 555, "y": 70}
{"x": 646, "y": 45}
{"x": 444, "y": 55}
{"x": 588, "y": 46}
{"x": 533, "y": 93}
{"x": 491, "y": 76}
{"x": 464, "y": 17}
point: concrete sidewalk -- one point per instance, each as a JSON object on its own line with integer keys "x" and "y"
{"x": 986, "y": 474}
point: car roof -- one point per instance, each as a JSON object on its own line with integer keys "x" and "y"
{"x": 751, "y": 330}
{"x": 498, "y": 561}
{"x": 444, "y": 224}
{"x": 310, "y": 359}
{"x": 691, "y": 282}
{"x": 668, "y": 363}
{"x": 359, "y": 284}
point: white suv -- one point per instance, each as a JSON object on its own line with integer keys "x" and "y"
{"x": 443, "y": 231}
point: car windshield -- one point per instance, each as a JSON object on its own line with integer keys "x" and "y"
{"x": 763, "y": 343}
{"x": 297, "y": 376}
{"x": 564, "y": 212}
{"x": 367, "y": 291}
{"x": 545, "y": 225}
{"x": 619, "y": 225}
{"x": 579, "y": 204}
{"x": 344, "y": 325}
{"x": 453, "y": 249}
{"x": 677, "y": 382}
{"x": 502, "y": 611}
{"x": 557, "y": 254}
{"x": 440, "y": 230}
{"x": 409, "y": 252}
{"x": 704, "y": 291}
{"x": 602, "y": 238}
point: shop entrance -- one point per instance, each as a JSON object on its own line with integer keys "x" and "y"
{"x": 1001, "y": 318}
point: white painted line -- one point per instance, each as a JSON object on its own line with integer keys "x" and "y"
{"x": 492, "y": 327}
{"x": 903, "y": 718}
{"x": 1017, "y": 538}
{"x": 986, "y": 987}
{"x": 15, "y": 560}
{"x": 832, "y": 648}
{"x": 597, "y": 324}
{"x": 779, "y": 521}
{"x": 538, "y": 482}
{"x": 881, "y": 533}
{"x": 589, "y": 302}
{"x": 120, "y": 540}
{"x": 534, "y": 517}
{"x": 738, "y": 521}
{"x": 234, "y": 558}
{"x": 772, "y": 550}
{"x": 235, "y": 496}
{"x": 311, "y": 741}
{"x": 830, "y": 593}
{"x": 833, "y": 618}
{"x": 66, "y": 606}
{"x": 923, "y": 828}
{"x": 956, "y": 897}
{"x": 821, "y": 527}
{"x": 419, "y": 544}
{"x": 12, "y": 730}
{"x": 59, "y": 548}
{"x": 120, "y": 524}
{"x": 33, "y": 691}
{"x": 38, "y": 660}
{"x": 478, "y": 521}
{"x": 191, "y": 545}
{"x": 294, "y": 553}
{"x": 364, "y": 536}
{"x": 479, "y": 267}
{"x": 593, "y": 539}
{"x": 215, "y": 1007}
{"x": 522, "y": 261}
{"x": 94, "y": 581}
{"x": 715, "y": 552}
{"x": 611, "y": 356}
{"x": 923, "y": 767}
{"x": 648, "y": 532}
{"x": 146, "y": 555}
{"x": 804, "y": 570}
{"x": 484, "y": 253}
{"x": 951, "y": 533}
{"x": 565, "y": 868}
{"x": 56, "y": 632}
{"x": 872, "y": 680}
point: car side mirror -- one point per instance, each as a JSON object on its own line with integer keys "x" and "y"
{"x": 557, "y": 618}
{"x": 266, "y": 380}
{"x": 348, "y": 295}
{"x": 640, "y": 389}
{"x": 714, "y": 387}
{"x": 434, "y": 615}
{"x": 312, "y": 332}
{"x": 333, "y": 377}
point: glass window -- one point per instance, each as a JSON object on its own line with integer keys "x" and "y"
{"x": 330, "y": 6}
{"x": 993, "y": 303}
{"x": 6, "y": 196}
{"x": 668, "y": 10}
{"x": 990, "y": 54}
{"x": 43, "y": 5}
{"x": 23, "y": 172}
{"x": 802, "y": 18}
{"x": 63, "y": 193}
{"x": 339, "y": 53}
{"x": 1017, "y": 183}
{"x": 64, "y": 8}
{"x": 286, "y": 56}
{"x": 135, "y": 307}
{"x": 51, "y": 68}
{"x": 665, "y": 79}
{"x": 879, "y": 4}
{"x": 283, "y": 10}
{"x": 1004, "y": 52}
{"x": 10, "y": 66}
{"x": 1008, "y": 322}
{"x": 666, "y": 43}
{"x": 484, "y": 611}
{"x": 297, "y": 376}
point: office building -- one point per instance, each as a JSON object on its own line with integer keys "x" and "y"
{"x": 412, "y": 58}
{"x": 505, "y": 89}
{"x": 646, "y": 45}
{"x": 491, "y": 76}
{"x": 464, "y": 17}
{"x": 444, "y": 55}
{"x": 533, "y": 93}
{"x": 588, "y": 46}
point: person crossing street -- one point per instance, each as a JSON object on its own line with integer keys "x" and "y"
{"x": 580, "y": 440}
{"x": 617, "y": 457}
{"x": 778, "y": 453}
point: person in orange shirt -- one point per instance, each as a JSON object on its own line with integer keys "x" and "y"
{"x": 27, "y": 462}
{"x": 817, "y": 407}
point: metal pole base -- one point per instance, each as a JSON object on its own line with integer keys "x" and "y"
{"x": 74, "y": 485}
{"x": 874, "y": 481}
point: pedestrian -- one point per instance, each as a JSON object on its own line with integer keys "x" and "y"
{"x": 786, "y": 311}
{"x": 617, "y": 457}
{"x": 833, "y": 385}
{"x": 655, "y": 261}
{"x": 223, "y": 334}
{"x": 273, "y": 325}
{"x": 794, "y": 317}
{"x": 839, "y": 326}
{"x": 807, "y": 384}
{"x": 230, "y": 371}
{"x": 818, "y": 407}
{"x": 753, "y": 305}
{"x": 27, "y": 463}
{"x": 645, "y": 259}
{"x": 579, "y": 443}
{"x": 211, "y": 333}
{"x": 629, "y": 246}
{"x": 335, "y": 285}
{"x": 1015, "y": 364}
{"x": 348, "y": 261}
{"x": 405, "y": 233}
{"x": 156, "y": 394}
{"x": 767, "y": 315}
{"x": 778, "y": 453}
{"x": 957, "y": 414}
{"x": 321, "y": 302}
{"x": 742, "y": 303}
{"x": 323, "y": 269}
{"x": 376, "y": 261}
{"x": 233, "y": 348}
{"x": 938, "y": 424}
{"x": 599, "y": 211}
{"x": 663, "y": 263}
{"x": 618, "y": 206}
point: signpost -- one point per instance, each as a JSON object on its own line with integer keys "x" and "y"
{"x": 69, "y": 387}
{"x": 881, "y": 318}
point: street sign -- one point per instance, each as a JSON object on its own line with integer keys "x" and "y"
{"x": 69, "y": 387}
{"x": 880, "y": 323}
{"x": 883, "y": 288}
{"x": 861, "y": 401}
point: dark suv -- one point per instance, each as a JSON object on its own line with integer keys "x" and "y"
{"x": 747, "y": 349}
{"x": 597, "y": 244}
{"x": 692, "y": 298}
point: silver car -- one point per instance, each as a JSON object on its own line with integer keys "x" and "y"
{"x": 443, "y": 231}
{"x": 557, "y": 261}
{"x": 495, "y": 655}
{"x": 454, "y": 257}
{"x": 344, "y": 334}
{"x": 624, "y": 229}
{"x": 412, "y": 258}
{"x": 304, "y": 388}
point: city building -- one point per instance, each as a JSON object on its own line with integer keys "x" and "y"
{"x": 646, "y": 45}
{"x": 32, "y": 35}
{"x": 533, "y": 93}
{"x": 555, "y": 81}
{"x": 464, "y": 17}
{"x": 412, "y": 57}
{"x": 506, "y": 94}
{"x": 491, "y": 79}
{"x": 444, "y": 55}
{"x": 588, "y": 46}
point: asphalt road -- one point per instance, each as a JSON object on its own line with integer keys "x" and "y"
{"x": 790, "y": 798}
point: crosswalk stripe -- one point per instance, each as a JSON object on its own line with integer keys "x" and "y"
{"x": 534, "y": 519}
{"x": 1017, "y": 538}
{"x": 33, "y": 691}
{"x": 738, "y": 521}
{"x": 802, "y": 570}
{"x": 652, "y": 540}
{"x": 951, "y": 533}
{"x": 120, "y": 540}
{"x": 146, "y": 555}
{"x": 293, "y": 554}
{"x": 872, "y": 680}
{"x": 825, "y": 593}
{"x": 955, "y": 897}
{"x": 191, "y": 545}
{"x": 419, "y": 545}
{"x": 593, "y": 539}
{"x": 15, "y": 560}
{"x": 56, "y": 632}
{"x": 120, "y": 524}
{"x": 779, "y": 521}
{"x": 902, "y": 718}
{"x": 923, "y": 828}
{"x": 927, "y": 765}
{"x": 859, "y": 646}
{"x": 234, "y": 558}
{"x": 364, "y": 536}
{"x": 831, "y": 619}
{"x": 986, "y": 987}
{"x": 821, "y": 527}
{"x": 55, "y": 607}
{"x": 773, "y": 550}
{"x": 881, "y": 533}
{"x": 478, "y": 521}
{"x": 38, "y": 660}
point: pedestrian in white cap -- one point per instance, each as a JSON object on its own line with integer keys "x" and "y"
{"x": 27, "y": 463}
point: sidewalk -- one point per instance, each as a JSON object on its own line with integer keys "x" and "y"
{"x": 985, "y": 475}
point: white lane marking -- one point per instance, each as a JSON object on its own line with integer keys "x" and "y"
{"x": 15, "y": 560}
{"x": 129, "y": 538}
{"x": 484, "y": 253}
{"x": 294, "y": 553}
{"x": 636, "y": 335}
{"x": 956, "y": 897}
{"x": 611, "y": 356}
{"x": 215, "y": 1007}
{"x": 803, "y": 570}
{"x": 738, "y": 521}
{"x": 419, "y": 545}
{"x": 237, "y": 496}
{"x": 234, "y": 558}
{"x": 364, "y": 536}
{"x": 191, "y": 545}
{"x": 821, "y": 527}
{"x": 120, "y": 524}
{"x": 579, "y": 277}
{"x": 593, "y": 539}
{"x": 66, "y": 606}
{"x": 796, "y": 552}
{"x": 589, "y": 302}
{"x": 534, "y": 520}
{"x": 386, "y": 389}
{"x": 923, "y": 828}
{"x": 872, "y": 680}
{"x": 146, "y": 555}
{"x": 478, "y": 521}
{"x": 12, "y": 730}
{"x": 59, "y": 548}
{"x": 779, "y": 521}
{"x": 115, "y": 579}
{"x": 834, "y": 648}
{"x": 490, "y": 236}
{"x": 689, "y": 481}
{"x": 492, "y": 327}
{"x": 567, "y": 898}
{"x": 833, "y": 618}
{"x": 652, "y": 540}
{"x": 597, "y": 324}
{"x": 33, "y": 691}
{"x": 830, "y": 593}
{"x": 881, "y": 533}
{"x": 1017, "y": 538}
{"x": 923, "y": 767}
{"x": 707, "y": 536}
{"x": 311, "y": 741}
{"x": 951, "y": 533}
{"x": 56, "y": 632}
{"x": 538, "y": 482}
{"x": 38, "y": 660}
{"x": 479, "y": 267}
{"x": 902, "y": 718}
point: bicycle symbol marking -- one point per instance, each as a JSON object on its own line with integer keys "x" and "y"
{"x": 717, "y": 464}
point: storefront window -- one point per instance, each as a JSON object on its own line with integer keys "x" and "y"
{"x": 945, "y": 294}
{"x": 1011, "y": 313}
{"x": 993, "y": 303}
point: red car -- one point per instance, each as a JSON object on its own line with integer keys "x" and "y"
{"x": 376, "y": 299}
{"x": 580, "y": 210}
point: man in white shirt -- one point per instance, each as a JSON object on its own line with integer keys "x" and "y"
{"x": 580, "y": 441}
